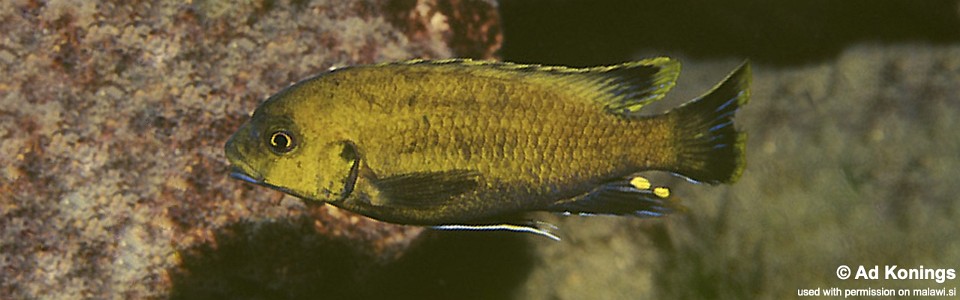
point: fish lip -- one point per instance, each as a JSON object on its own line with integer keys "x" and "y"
{"x": 237, "y": 172}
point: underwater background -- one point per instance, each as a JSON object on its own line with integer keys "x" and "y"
{"x": 114, "y": 183}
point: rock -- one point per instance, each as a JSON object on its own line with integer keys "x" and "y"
{"x": 115, "y": 114}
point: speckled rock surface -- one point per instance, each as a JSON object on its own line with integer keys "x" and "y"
{"x": 113, "y": 117}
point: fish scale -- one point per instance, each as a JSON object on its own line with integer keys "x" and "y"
{"x": 508, "y": 136}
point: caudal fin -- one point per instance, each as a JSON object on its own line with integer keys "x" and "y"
{"x": 709, "y": 148}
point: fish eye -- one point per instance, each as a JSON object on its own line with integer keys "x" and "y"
{"x": 281, "y": 141}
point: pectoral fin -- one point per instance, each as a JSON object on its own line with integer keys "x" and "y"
{"x": 422, "y": 189}
{"x": 634, "y": 196}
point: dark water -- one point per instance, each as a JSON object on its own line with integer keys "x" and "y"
{"x": 773, "y": 32}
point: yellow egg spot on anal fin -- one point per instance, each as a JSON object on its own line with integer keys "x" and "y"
{"x": 661, "y": 191}
{"x": 640, "y": 183}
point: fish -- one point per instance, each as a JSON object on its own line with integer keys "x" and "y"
{"x": 460, "y": 144}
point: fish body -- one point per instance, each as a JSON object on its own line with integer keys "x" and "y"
{"x": 469, "y": 143}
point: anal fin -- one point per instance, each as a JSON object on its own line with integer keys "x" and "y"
{"x": 633, "y": 196}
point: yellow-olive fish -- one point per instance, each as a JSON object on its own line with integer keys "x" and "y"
{"x": 460, "y": 144}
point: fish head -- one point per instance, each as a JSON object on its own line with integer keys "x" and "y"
{"x": 296, "y": 153}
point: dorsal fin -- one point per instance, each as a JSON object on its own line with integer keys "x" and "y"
{"x": 621, "y": 89}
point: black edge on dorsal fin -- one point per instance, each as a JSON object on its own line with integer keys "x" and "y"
{"x": 426, "y": 188}
{"x": 633, "y": 85}
{"x": 620, "y": 89}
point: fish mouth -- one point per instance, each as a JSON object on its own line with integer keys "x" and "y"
{"x": 237, "y": 172}
{"x": 239, "y": 168}
{"x": 243, "y": 171}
